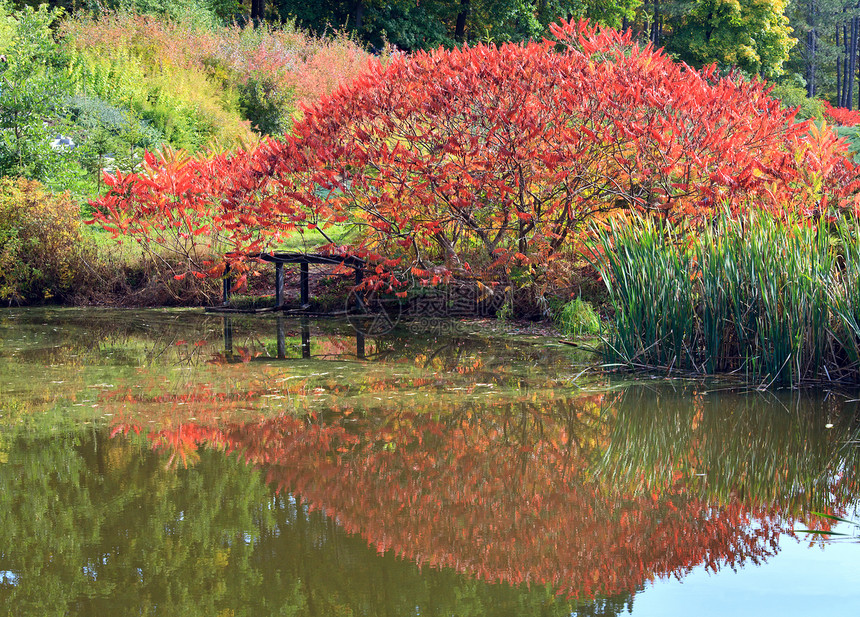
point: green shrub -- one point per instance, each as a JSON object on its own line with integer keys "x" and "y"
{"x": 851, "y": 135}
{"x": 42, "y": 252}
{"x": 268, "y": 108}
{"x": 578, "y": 318}
{"x": 132, "y": 63}
{"x": 196, "y": 82}
{"x": 794, "y": 96}
{"x": 107, "y": 137}
{"x": 33, "y": 84}
{"x": 197, "y": 12}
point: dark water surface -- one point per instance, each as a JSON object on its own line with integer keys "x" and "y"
{"x": 176, "y": 463}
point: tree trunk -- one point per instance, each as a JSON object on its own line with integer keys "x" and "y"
{"x": 358, "y": 14}
{"x": 846, "y": 61}
{"x": 258, "y": 11}
{"x": 852, "y": 64}
{"x": 838, "y": 73}
{"x": 810, "y": 63}
{"x": 460, "y": 28}
{"x": 646, "y": 20}
{"x": 656, "y": 24}
{"x": 857, "y": 60}
{"x": 811, "y": 47}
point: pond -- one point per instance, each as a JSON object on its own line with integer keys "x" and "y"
{"x": 178, "y": 463}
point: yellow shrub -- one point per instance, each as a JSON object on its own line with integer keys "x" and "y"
{"x": 42, "y": 253}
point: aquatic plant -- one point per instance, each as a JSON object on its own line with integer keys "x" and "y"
{"x": 578, "y": 318}
{"x": 772, "y": 300}
{"x": 647, "y": 274}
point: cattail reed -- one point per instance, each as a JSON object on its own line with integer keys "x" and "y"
{"x": 770, "y": 300}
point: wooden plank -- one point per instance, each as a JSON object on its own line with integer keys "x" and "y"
{"x": 310, "y": 258}
{"x": 304, "y": 260}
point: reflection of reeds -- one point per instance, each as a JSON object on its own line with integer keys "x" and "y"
{"x": 768, "y": 450}
{"x": 773, "y": 301}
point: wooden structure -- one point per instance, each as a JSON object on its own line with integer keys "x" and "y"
{"x": 304, "y": 260}
{"x": 280, "y": 332}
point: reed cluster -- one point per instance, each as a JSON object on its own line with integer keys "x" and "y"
{"x": 774, "y": 301}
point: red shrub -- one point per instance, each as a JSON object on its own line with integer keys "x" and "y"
{"x": 840, "y": 115}
{"x": 488, "y": 161}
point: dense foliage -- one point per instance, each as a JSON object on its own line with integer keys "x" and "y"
{"x": 825, "y": 61}
{"x": 196, "y": 83}
{"x": 32, "y": 85}
{"x": 751, "y": 35}
{"x": 486, "y": 162}
{"x": 492, "y": 185}
{"x": 86, "y": 92}
{"x": 42, "y": 252}
{"x": 426, "y": 24}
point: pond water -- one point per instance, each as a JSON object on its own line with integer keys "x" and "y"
{"x": 177, "y": 463}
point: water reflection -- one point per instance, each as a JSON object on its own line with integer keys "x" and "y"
{"x": 93, "y": 525}
{"x": 457, "y": 475}
{"x": 566, "y": 493}
{"x": 281, "y": 334}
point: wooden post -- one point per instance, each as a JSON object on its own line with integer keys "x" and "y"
{"x": 359, "y": 344}
{"x": 306, "y": 337}
{"x": 305, "y": 285}
{"x": 279, "y": 285}
{"x": 228, "y": 337}
{"x": 282, "y": 343}
{"x": 359, "y": 295}
{"x": 227, "y": 284}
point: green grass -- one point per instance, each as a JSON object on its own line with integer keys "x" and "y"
{"x": 309, "y": 240}
{"x": 126, "y": 250}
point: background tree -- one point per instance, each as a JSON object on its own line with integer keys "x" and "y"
{"x": 752, "y": 35}
{"x": 33, "y": 86}
{"x": 826, "y": 63}
{"x": 426, "y": 24}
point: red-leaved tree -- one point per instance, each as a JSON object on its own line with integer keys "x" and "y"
{"x": 487, "y": 162}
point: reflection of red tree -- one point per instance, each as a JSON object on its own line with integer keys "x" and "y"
{"x": 469, "y": 496}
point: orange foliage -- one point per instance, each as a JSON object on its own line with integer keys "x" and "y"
{"x": 480, "y": 161}
{"x": 504, "y": 499}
